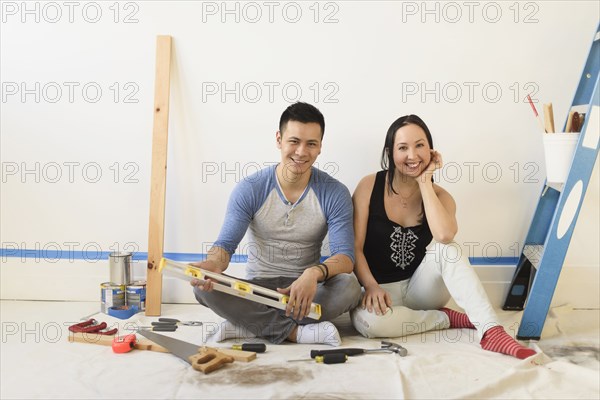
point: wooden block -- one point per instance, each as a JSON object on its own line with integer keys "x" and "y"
{"x": 107, "y": 340}
{"x": 91, "y": 338}
{"x": 158, "y": 179}
{"x": 146, "y": 344}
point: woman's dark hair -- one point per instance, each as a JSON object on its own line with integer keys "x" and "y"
{"x": 387, "y": 159}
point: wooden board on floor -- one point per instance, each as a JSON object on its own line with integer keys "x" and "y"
{"x": 158, "y": 180}
{"x": 107, "y": 340}
{"x": 142, "y": 343}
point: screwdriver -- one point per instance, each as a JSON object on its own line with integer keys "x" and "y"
{"x": 255, "y": 347}
{"x": 332, "y": 358}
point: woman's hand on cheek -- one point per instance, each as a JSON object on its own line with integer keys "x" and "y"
{"x": 434, "y": 163}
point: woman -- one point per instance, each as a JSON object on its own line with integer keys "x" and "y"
{"x": 407, "y": 281}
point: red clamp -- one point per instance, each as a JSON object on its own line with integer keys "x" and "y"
{"x": 91, "y": 326}
{"x": 123, "y": 344}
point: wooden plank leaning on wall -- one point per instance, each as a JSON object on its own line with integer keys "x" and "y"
{"x": 158, "y": 177}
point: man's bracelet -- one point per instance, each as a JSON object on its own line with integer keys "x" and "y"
{"x": 320, "y": 267}
{"x": 326, "y": 274}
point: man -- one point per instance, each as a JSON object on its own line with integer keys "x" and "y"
{"x": 288, "y": 209}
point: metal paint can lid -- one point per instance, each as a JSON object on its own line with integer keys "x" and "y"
{"x": 110, "y": 285}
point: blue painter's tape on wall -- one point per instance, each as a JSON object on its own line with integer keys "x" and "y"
{"x": 52, "y": 255}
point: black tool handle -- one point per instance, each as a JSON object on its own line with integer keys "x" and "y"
{"x": 349, "y": 352}
{"x": 332, "y": 358}
{"x": 255, "y": 347}
{"x": 162, "y": 323}
{"x": 169, "y": 320}
{"x": 164, "y": 328}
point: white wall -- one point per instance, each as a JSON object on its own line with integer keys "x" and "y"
{"x": 359, "y": 62}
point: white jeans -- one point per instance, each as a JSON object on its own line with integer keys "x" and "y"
{"x": 444, "y": 272}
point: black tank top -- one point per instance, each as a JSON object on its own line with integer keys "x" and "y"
{"x": 392, "y": 251}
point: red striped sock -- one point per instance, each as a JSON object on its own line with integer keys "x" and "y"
{"x": 457, "y": 319}
{"x": 496, "y": 339}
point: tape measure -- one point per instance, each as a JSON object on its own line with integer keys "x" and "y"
{"x": 123, "y": 344}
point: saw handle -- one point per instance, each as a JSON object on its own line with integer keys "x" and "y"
{"x": 349, "y": 352}
{"x": 209, "y": 360}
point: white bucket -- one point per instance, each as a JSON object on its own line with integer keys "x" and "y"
{"x": 558, "y": 152}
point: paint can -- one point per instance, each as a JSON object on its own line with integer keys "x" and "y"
{"x": 136, "y": 295}
{"x": 111, "y": 295}
{"x": 120, "y": 267}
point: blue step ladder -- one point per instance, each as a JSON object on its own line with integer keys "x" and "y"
{"x": 550, "y": 232}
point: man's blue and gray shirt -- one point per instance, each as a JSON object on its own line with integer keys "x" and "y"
{"x": 285, "y": 238}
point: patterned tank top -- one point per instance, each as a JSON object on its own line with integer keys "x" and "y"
{"x": 392, "y": 251}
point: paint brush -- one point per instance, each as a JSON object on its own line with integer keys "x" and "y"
{"x": 569, "y": 122}
{"x": 549, "y": 118}
{"x": 537, "y": 116}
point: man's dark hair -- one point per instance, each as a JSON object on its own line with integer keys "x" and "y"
{"x": 302, "y": 112}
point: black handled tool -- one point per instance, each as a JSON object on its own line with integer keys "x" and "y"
{"x": 159, "y": 328}
{"x": 160, "y": 323}
{"x": 349, "y": 352}
{"x": 388, "y": 347}
{"x": 255, "y": 347}
{"x": 174, "y": 321}
{"x": 330, "y": 358}
{"x": 335, "y": 358}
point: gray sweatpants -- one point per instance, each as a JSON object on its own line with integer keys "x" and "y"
{"x": 336, "y": 296}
